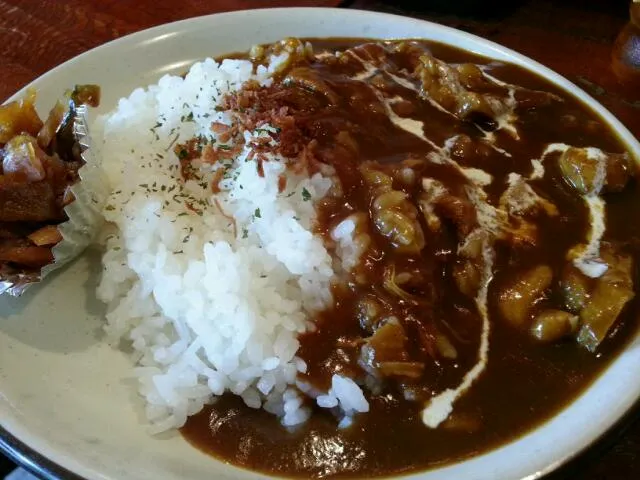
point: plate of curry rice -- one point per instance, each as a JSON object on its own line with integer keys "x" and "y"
{"x": 334, "y": 244}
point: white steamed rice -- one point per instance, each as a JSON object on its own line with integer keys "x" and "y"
{"x": 210, "y": 307}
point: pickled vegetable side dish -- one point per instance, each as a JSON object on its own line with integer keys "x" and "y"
{"x": 40, "y": 161}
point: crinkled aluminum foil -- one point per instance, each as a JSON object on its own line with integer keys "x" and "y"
{"x": 84, "y": 213}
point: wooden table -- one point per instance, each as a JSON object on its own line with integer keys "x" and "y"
{"x": 573, "y": 37}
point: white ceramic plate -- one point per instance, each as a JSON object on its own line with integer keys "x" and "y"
{"x": 63, "y": 392}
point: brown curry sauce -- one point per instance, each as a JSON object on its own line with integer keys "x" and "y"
{"x": 525, "y": 381}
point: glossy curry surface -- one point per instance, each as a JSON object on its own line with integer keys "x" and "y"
{"x": 528, "y": 377}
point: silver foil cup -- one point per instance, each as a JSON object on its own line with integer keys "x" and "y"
{"x": 84, "y": 213}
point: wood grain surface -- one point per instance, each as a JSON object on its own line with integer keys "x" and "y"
{"x": 37, "y": 35}
{"x": 573, "y": 37}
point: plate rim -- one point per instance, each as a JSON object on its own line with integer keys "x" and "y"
{"x": 31, "y": 460}
{"x": 41, "y": 465}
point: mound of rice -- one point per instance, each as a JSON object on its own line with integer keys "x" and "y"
{"x": 211, "y": 291}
